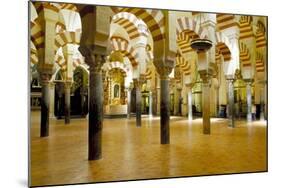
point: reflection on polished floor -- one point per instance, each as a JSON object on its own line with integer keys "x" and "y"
{"x": 130, "y": 152}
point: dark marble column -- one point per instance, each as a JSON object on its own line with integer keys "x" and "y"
{"x": 206, "y": 104}
{"x": 67, "y": 87}
{"x": 165, "y": 110}
{"x": 95, "y": 109}
{"x": 95, "y": 62}
{"x": 231, "y": 107}
{"x": 137, "y": 84}
{"x": 45, "y": 103}
{"x": 262, "y": 103}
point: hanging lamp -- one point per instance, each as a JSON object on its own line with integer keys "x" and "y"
{"x": 201, "y": 44}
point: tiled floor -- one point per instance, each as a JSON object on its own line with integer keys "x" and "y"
{"x": 136, "y": 153}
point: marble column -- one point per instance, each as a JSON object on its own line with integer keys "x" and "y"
{"x": 128, "y": 103}
{"x": 67, "y": 87}
{"x": 231, "y": 107}
{"x": 158, "y": 100}
{"x": 150, "y": 103}
{"x": 137, "y": 84}
{"x": 249, "y": 101}
{"x": 206, "y": 104}
{"x": 177, "y": 101}
{"x": 95, "y": 60}
{"x": 165, "y": 109}
{"x": 45, "y": 104}
{"x": 189, "y": 101}
{"x": 52, "y": 100}
{"x": 265, "y": 101}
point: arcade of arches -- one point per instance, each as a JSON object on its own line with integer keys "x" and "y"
{"x": 122, "y": 93}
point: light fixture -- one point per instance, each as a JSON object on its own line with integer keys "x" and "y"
{"x": 200, "y": 44}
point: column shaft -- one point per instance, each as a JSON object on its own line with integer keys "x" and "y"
{"x": 52, "y": 101}
{"x": 249, "y": 101}
{"x": 95, "y": 115}
{"x": 66, "y": 103}
{"x": 165, "y": 111}
{"x": 150, "y": 103}
{"x": 189, "y": 101}
{"x": 206, "y": 107}
{"x": 231, "y": 107}
{"x": 128, "y": 103}
{"x": 138, "y": 106}
{"x": 45, "y": 100}
{"x": 262, "y": 103}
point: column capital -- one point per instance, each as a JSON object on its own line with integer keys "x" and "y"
{"x": 164, "y": 72}
{"x": 249, "y": 81}
{"x": 95, "y": 56}
{"x": 137, "y": 83}
{"x": 45, "y": 77}
{"x": 206, "y": 76}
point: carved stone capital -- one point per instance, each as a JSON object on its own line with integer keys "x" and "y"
{"x": 249, "y": 81}
{"x": 95, "y": 56}
{"x": 205, "y": 76}
{"x": 45, "y": 77}
{"x": 164, "y": 72}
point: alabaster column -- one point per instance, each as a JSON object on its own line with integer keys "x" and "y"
{"x": 150, "y": 103}
{"x": 67, "y": 87}
{"x": 231, "y": 107}
{"x": 249, "y": 101}
{"x": 52, "y": 100}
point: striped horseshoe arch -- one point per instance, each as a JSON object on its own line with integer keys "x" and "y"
{"x": 122, "y": 45}
{"x": 183, "y": 64}
{"x": 259, "y": 62}
{"x": 33, "y": 56}
{"x": 67, "y": 37}
{"x": 245, "y": 56}
{"x": 260, "y": 35}
{"x": 225, "y": 21}
{"x": 115, "y": 65}
{"x": 186, "y": 30}
{"x": 37, "y": 34}
{"x": 154, "y": 19}
{"x": 245, "y": 26}
{"x": 130, "y": 23}
{"x": 222, "y": 46}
